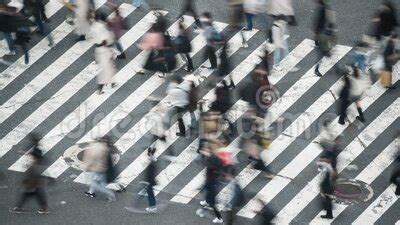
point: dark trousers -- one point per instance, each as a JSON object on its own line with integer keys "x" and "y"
{"x": 10, "y": 41}
{"x": 189, "y": 61}
{"x": 249, "y": 20}
{"x": 26, "y": 53}
{"x": 150, "y": 196}
{"x": 181, "y": 125}
{"x": 189, "y": 8}
{"x": 211, "y": 189}
{"x": 327, "y": 205}
{"x": 210, "y": 54}
{"x": 344, "y": 103}
{"x": 38, "y": 193}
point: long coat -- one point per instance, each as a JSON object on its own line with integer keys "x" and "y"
{"x": 104, "y": 58}
{"x": 82, "y": 17}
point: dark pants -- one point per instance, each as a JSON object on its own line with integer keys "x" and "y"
{"x": 344, "y": 104}
{"x": 26, "y": 53}
{"x": 38, "y": 193}
{"x": 249, "y": 20}
{"x": 210, "y": 54}
{"x": 189, "y": 8}
{"x": 327, "y": 205}
{"x": 181, "y": 125}
{"x": 150, "y": 196}
{"x": 211, "y": 189}
{"x": 189, "y": 61}
{"x": 10, "y": 41}
{"x": 43, "y": 30}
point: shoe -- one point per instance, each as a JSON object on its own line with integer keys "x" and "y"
{"x": 216, "y": 220}
{"x": 341, "y": 122}
{"x": 11, "y": 53}
{"x": 161, "y": 75}
{"x": 361, "y": 119}
{"x": 180, "y": 134}
{"x": 211, "y": 68}
{"x": 245, "y": 45}
{"x": 277, "y": 68}
{"x": 204, "y": 203}
{"x": 141, "y": 71}
{"x": 327, "y": 217}
{"x": 121, "y": 56}
{"x": 92, "y": 195}
{"x": 16, "y": 210}
{"x": 43, "y": 211}
{"x": 318, "y": 73}
{"x": 151, "y": 209}
{"x": 113, "y": 85}
{"x": 245, "y": 29}
{"x": 80, "y": 38}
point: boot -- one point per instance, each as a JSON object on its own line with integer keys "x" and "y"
{"x": 361, "y": 115}
{"x": 100, "y": 89}
{"x": 316, "y": 71}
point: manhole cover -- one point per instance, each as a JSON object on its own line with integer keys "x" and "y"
{"x": 73, "y": 156}
{"x": 350, "y": 191}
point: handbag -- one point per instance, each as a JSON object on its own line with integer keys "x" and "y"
{"x": 386, "y": 78}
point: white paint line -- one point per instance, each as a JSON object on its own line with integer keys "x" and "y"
{"x": 377, "y": 208}
{"x": 307, "y": 194}
{"x": 59, "y": 98}
{"x": 368, "y": 175}
{"x": 304, "y": 84}
{"x": 36, "y": 52}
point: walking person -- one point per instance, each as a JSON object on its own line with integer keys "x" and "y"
{"x": 386, "y": 20}
{"x": 395, "y": 177}
{"x": 82, "y": 15}
{"x": 279, "y": 30}
{"x": 188, "y": 7}
{"x": 34, "y": 183}
{"x": 236, "y": 18}
{"x": 211, "y": 185}
{"x": 251, "y": 9}
{"x": 23, "y": 37}
{"x": 324, "y": 32}
{"x": 326, "y": 187}
{"x": 7, "y": 17}
{"x": 117, "y": 25}
{"x": 151, "y": 181}
{"x": 390, "y": 56}
{"x": 213, "y": 38}
{"x": 97, "y": 162}
{"x": 183, "y": 46}
{"x": 36, "y": 9}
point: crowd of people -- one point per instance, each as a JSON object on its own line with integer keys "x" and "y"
{"x": 375, "y": 54}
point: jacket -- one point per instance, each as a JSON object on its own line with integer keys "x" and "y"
{"x": 178, "y": 94}
{"x": 280, "y": 7}
{"x": 95, "y": 157}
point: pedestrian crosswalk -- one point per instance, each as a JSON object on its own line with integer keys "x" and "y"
{"x": 75, "y": 113}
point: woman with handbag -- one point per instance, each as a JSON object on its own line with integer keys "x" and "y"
{"x": 183, "y": 46}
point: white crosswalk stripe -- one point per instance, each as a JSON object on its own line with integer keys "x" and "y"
{"x": 69, "y": 125}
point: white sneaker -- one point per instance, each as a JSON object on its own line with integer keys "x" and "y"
{"x": 245, "y": 45}
{"x": 277, "y": 68}
{"x": 151, "y": 209}
{"x": 203, "y": 203}
{"x": 11, "y": 53}
{"x": 200, "y": 213}
{"x": 216, "y": 220}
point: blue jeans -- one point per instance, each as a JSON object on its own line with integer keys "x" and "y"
{"x": 10, "y": 41}
{"x": 277, "y": 53}
{"x": 118, "y": 46}
{"x": 150, "y": 196}
{"x": 249, "y": 20}
{"x": 98, "y": 183}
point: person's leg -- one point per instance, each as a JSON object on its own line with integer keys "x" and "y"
{"x": 193, "y": 120}
{"x": 26, "y": 53}
{"x": 360, "y": 112}
{"x": 181, "y": 125}
{"x": 189, "y": 62}
{"x": 23, "y": 198}
{"x": 277, "y": 56}
{"x": 150, "y": 196}
{"x": 10, "y": 41}
{"x": 249, "y": 20}
{"x": 285, "y": 49}
{"x": 212, "y": 57}
{"x": 342, "y": 110}
{"x": 41, "y": 198}
{"x": 102, "y": 186}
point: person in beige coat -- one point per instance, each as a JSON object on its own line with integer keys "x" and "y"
{"x": 96, "y": 164}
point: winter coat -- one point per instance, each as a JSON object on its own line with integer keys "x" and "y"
{"x": 95, "y": 157}
{"x": 100, "y": 32}
{"x": 151, "y": 173}
{"x": 178, "y": 94}
{"x": 280, "y": 7}
{"x": 104, "y": 58}
{"x": 255, "y": 6}
{"x": 82, "y": 22}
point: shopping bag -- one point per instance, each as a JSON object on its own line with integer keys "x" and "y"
{"x": 386, "y": 78}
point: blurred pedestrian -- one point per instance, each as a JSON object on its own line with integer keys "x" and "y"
{"x": 188, "y": 7}
{"x": 151, "y": 181}
{"x": 279, "y": 30}
{"x": 97, "y": 164}
{"x": 386, "y": 20}
{"x": 251, "y": 9}
{"x": 213, "y": 165}
{"x": 34, "y": 184}
{"x": 236, "y": 18}
{"x": 36, "y": 9}
{"x": 326, "y": 187}
{"x": 390, "y": 55}
{"x": 237, "y": 200}
{"x": 213, "y": 38}
{"x": 82, "y": 16}
{"x": 278, "y": 8}
{"x": 324, "y": 31}
{"x": 117, "y": 25}
{"x": 7, "y": 17}
{"x": 395, "y": 177}
{"x": 183, "y": 46}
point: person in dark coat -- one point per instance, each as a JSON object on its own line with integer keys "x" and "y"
{"x": 183, "y": 46}
{"x": 7, "y": 15}
{"x": 36, "y": 9}
{"x": 151, "y": 180}
{"x": 326, "y": 187}
{"x": 390, "y": 55}
{"x": 386, "y": 20}
{"x": 34, "y": 183}
{"x": 188, "y": 7}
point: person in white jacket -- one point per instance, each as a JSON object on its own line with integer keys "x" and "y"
{"x": 280, "y": 7}
{"x": 279, "y": 29}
